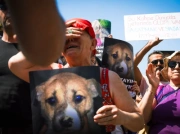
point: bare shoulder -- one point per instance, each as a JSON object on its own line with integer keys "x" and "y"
{"x": 119, "y": 93}
{"x": 114, "y": 81}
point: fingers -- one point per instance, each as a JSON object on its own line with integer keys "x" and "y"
{"x": 154, "y": 42}
{"x": 106, "y": 120}
{"x": 157, "y": 39}
{"x": 72, "y": 32}
{"x": 105, "y": 108}
{"x": 135, "y": 82}
{"x": 106, "y": 115}
{"x": 74, "y": 29}
{"x": 158, "y": 73}
{"x": 103, "y": 115}
{"x": 69, "y": 23}
{"x": 135, "y": 88}
{"x": 149, "y": 70}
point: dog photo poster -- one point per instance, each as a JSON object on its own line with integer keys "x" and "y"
{"x": 102, "y": 29}
{"x": 118, "y": 57}
{"x": 64, "y": 101}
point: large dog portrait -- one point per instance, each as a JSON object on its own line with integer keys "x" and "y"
{"x": 67, "y": 104}
{"x": 118, "y": 56}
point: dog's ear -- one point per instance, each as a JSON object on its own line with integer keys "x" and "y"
{"x": 94, "y": 87}
{"x": 40, "y": 91}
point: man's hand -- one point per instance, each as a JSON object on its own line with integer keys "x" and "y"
{"x": 72, "y": 32}
{"x": 154, "y": 42}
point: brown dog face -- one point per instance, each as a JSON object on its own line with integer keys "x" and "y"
{"x": 120, "y": 60}
{"x": 65, "y": 100}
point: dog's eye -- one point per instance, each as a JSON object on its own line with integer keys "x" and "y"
{"x": 51, "y": 101}
{"x": 128, "y": 58}
{"x": 115, "y": 55}
{"x": 78, "y": 98}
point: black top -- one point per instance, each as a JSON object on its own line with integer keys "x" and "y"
{"x": 15, "y": 104}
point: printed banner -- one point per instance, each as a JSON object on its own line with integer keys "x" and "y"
{"x": 102, "y": 29}
{"x": 149, "y": 26}
{"x": 64, "y": 101}
{"x": 118, "y": 57}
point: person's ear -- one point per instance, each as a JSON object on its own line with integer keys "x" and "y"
{"x": 94, "y": 43}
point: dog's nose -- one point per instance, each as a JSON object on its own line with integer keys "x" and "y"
{"x": 120, "y": 69}
{"x": 66, "y": 121}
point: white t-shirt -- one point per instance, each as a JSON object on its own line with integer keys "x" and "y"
{"x": 118, "y": 130}
{"x": 145, "y": 84}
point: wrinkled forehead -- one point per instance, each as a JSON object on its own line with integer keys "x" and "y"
{"x": 155, "y": 57}
{"x": 176, "y": 57}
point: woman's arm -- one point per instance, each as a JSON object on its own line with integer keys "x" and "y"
{"x": 147, "y": 104}
{"x": 148, "y": 101}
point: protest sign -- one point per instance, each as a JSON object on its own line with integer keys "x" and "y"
{"x": 118, "y": 57}
{"x": 149, "y": 26}
{"x": 102, "y": 29}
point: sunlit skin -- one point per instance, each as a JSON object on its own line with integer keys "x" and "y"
{"x": 80, "y": 50}
{"x": 157, "y": 68}
{"x": 174, "y": 73}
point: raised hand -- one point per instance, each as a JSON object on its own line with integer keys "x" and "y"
{"x": 152, "y": 76}
{"x": 135, "y": 87}
{"x": 154, "y": 42}
{"x": 72, "y": 32}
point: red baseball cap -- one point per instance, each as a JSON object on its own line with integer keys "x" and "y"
{"x": 84, "y": 25}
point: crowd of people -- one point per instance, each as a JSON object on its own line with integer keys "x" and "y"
{"x": 156, "y": 109}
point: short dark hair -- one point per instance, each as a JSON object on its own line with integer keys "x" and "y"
{"x": 3, "y": 5}
{"x": 155, "y": 52}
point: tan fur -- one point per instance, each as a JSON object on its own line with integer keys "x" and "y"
{"x": 121, "y": 53}
{"x": 64, "y": 87}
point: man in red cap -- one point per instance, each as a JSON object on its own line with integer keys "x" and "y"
{"x": 80, "y": 43}
{"x": 75, "y": 28}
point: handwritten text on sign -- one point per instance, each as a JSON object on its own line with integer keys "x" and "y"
{"x": 148, "y": 26}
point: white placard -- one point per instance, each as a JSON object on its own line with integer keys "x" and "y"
{"x": 149, "y": 26}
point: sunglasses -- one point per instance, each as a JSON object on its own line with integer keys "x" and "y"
{"x": 172, "y": 64}
{"x": 155, "y": 62}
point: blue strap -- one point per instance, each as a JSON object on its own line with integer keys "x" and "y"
{"x": 166, "y": 95}
{"x": 160, "y": 92}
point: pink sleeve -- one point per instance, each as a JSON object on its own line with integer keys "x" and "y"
{"x": 144, "y": 85}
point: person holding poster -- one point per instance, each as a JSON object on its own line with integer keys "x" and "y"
{"x": 77, "y": 51}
